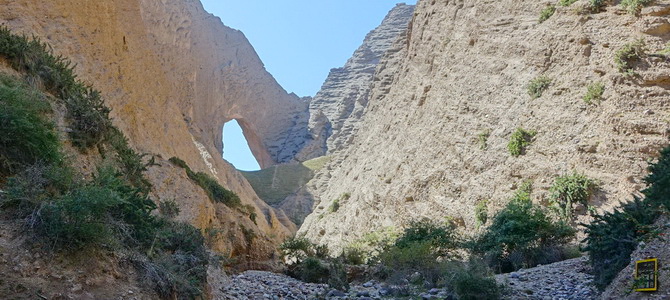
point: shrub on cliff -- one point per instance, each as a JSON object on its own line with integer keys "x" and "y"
{"x": 522, "y": 235}
{"x": 570, "y": 190}
{"x": 626, "y": 57}
{"x": 613, "y": 236}
{"x": 519, "y": 140}
{"x": 214, "y": 190}
{"x": 546, "y": 13}
{"x": 538, "y": 85}
{"x": 26, "y": 135}
{"x": 594, "y": 93}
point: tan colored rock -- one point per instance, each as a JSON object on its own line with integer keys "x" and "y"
{"x": 173, "y": 75}
{"x": 462, "y": 70}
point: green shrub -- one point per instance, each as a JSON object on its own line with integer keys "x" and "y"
{"x": 334, "y": 206}
{"x": 337, "y": 276}
{"x": 483, "y": 138}
{"x": 214, "y": 190}
{"x": 297, "y": 249}
{"x": 521, "y": 235}
{"x": 373, "y": 243}
{"x": 354, "y": 255}
{"x": 313, "y": 270}
{"x": 401, "y": 262}
{"x": 473, "y": 283}
{"x": 566, "y": 2}
{"x": 442, "y": 238}
{"x": 481, "y": 212}
{"x": 168, "y": 208}
{"x": 519, "y": 140}
{"x": 626, "y": 57}
{"x": 26, "y": 135}
{"x": 129, "y": 160}
{"x": 568, "y": 190}
{"x": 546, "y": 13}
{"x": 537, "y": 86}
{"x": 594, "y": 92}
{"x": 612, "y": 236}
{"x": 78, "y": 220}
{"x": 634, "y": 6}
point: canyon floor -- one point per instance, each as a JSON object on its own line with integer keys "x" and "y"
{"x": 567, "y": 279}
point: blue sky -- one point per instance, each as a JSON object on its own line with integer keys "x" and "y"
{"x": 299, "y": 41}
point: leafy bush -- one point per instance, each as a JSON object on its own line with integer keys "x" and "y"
{"x": 354, "y": 256}
{"x": 373, "y": 243}
{"x": 401, "y": 262}
{"x": 214, "y": 190}
{"x": 473, "y": 282}
{"x": 566, "y": 2}
{"x": 521, "y": 235}
{"x": 546, "y": 13}
{"x": 26, "y": 135}
{"x": 519, "y": 140}
{"x": 442, "y": 238}
{"x": 612, "y": 236}
{"x": 634, "y": 6}
{"x": 568, "y": 190}
{"x": 312, "y": 270}
{"x": 481, "y": 212}
{"x": 594, "y": 92}
{"x": 628, "y": 55}
{"x": 537, "y": 86}
{"x": 296, "y": 249}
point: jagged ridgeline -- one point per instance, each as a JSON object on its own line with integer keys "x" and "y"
{"x": 64, "y": 211}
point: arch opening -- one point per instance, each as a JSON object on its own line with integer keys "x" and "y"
{"x": 236, "y": 148}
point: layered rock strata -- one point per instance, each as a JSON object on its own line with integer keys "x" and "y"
{"x": 339, "y": 105}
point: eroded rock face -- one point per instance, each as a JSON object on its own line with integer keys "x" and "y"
{"x": 173, "y": 75}
{"x": 463, "y": 70}
{"x": 339, "y": 105}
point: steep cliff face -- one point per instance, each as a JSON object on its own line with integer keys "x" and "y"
{"x": 173, "y": 75}
{"x": 462, "y": 70}
{"x": 339, "y": 105}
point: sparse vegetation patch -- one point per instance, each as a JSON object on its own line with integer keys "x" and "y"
{"x": 546, "y": 13}
{"x": 634, "y": 6}
{"x": 626, "y": 57}
{"x": 519, "y": 140}
{"x": 537, "y": 86}
{"x": 594, "y": 92}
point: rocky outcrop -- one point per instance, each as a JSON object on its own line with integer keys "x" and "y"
{"x": 463, "y": 70}
{"x": 339, "y": 105}
{"x": 173, "y": 75}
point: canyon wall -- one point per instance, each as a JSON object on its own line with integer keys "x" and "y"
{"x": 445, "y": 100}
{"x": 339, "y": 105}
{"x": 173, "y": 75}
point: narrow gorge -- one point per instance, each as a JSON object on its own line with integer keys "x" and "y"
{"x": 449, "y": 118}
